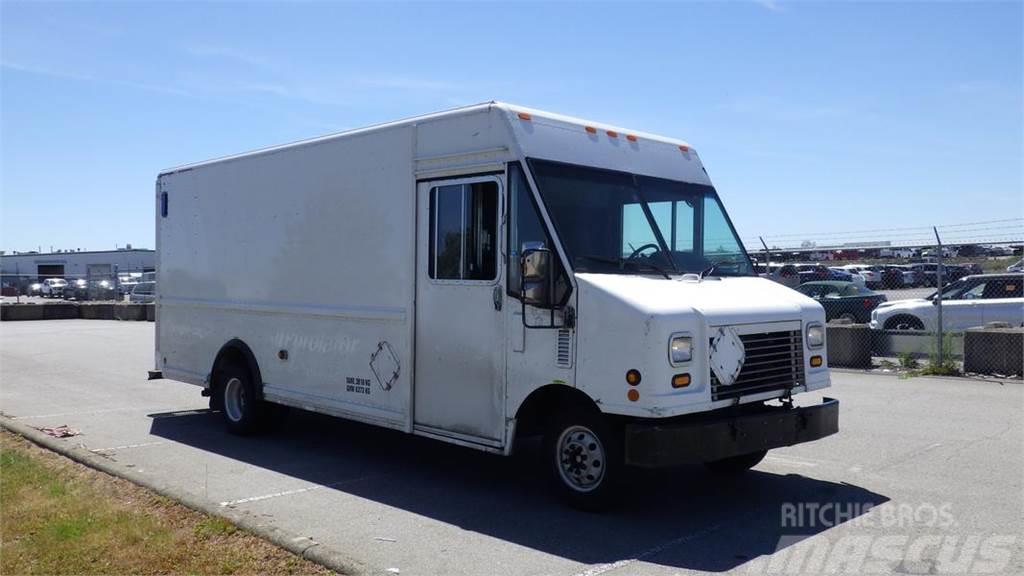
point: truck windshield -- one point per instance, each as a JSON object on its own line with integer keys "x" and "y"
{"x": 622, "y": 223}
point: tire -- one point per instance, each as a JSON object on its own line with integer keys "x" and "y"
{"x": 904, "y": 323}
{"x": 736, "y": 464}
{"x": 584, "y": 460}
{"x": 849, "y": 316}
{"x": 242, "y": 408}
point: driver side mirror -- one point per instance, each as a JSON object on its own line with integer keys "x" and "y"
{"x": 536, "y": 278}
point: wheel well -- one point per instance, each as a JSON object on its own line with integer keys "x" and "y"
{"x": 533, "y": 413}
{"x": 891, "y": 323}
{"x": 235, "y": 353}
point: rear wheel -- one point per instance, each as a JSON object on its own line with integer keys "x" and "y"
{"x": 243, "y": 410}
{"x": 736, "y": 464}
{"x": 584, "y": 459}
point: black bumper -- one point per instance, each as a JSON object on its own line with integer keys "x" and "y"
{"x": 712, "y": 436}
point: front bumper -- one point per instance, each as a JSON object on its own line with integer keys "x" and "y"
{"x": 713, "y": 436}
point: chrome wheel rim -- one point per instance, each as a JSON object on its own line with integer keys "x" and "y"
{"x": 234, "y": 399}
{"x": 580, "y": 458}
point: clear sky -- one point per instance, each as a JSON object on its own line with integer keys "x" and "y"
{"x": 811, "y": 117}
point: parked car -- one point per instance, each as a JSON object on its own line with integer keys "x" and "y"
{"x": 812, "y": 273}
{"x": 842, "y": 275}
{"x": 34, "y": 289}
{"x": 844, "y": 300}
{"x": 142, "y": 293}
{"x": 81, "y": 289}
{"x": 1018, "y": 267}
{"x": 971, "y": 301}
{"x": 929, "y": 271}
{"x": 872, "y": 274}
{"x": 785, "y": 274}
{"x": 912, "y": 277}
{"x": 52, "y": 288}
{"x": 892, "y": 278}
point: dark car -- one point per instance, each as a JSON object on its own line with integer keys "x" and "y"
{"x": 892, "y": 277}
{"x": 812, "y": 273}
{"x": 843, "y": 300}
{"x": 82, "y": 290}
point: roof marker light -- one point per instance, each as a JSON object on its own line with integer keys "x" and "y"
{"x": 631, "y": 137}
{"x": 524, "y": 116}
{"x": 684, "y": 148}
{"x": 590, "y": 129}
{"x": 613, "y": 133}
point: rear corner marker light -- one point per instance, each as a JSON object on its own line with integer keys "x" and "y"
{"x": 684, "y": 148}
{"x": 631, "y": 137}
{"x": 633, "y": 377}
{"x": 816, "y": 361}
{"x": 612, "y": 133}
{"x": 680, "y": 380}
{"x": 524, "y": 116}
{"x": 633, "y": 395}
{"x": 590, "y": 129}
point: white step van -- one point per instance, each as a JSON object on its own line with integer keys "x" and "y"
{"x": 485, "y": 273}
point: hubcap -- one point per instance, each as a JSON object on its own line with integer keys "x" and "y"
{"x": 580, "y": 458}
{"x": 234, "y": 399}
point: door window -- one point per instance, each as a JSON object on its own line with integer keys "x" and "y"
{"x": 464, "y": 232}
{"x": 527, "y": 231}
{"x": 1003, "y": 288}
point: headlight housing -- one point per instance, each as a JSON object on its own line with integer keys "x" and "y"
{"x": 815, "y": 335}
{"x": 680, "y": 349}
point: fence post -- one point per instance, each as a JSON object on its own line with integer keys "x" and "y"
{"x": 938, "y": 295}
{"x": 767, "y": 255}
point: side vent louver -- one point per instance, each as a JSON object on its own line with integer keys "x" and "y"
{"x": 564, "y": 352}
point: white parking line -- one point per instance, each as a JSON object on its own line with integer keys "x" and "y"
{"x": 130, "y": 446}
{"x": 104, "y": 411}
{"x": 791, "y": 461}
{"x": 299, "y": 490}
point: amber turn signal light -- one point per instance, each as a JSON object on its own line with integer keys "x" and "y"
{"x": 816, "y": 361}
{"x": 633, "y": 377}
{"x": 680, "y": 380}
{"x": 633, "y": 395}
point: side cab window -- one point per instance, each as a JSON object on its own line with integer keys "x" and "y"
{"x": 526, "y": 230}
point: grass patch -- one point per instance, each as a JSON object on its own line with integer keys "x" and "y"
{"x": 59, "y": 517}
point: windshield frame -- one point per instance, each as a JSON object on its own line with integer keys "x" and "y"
{"x": 704, "y": 192}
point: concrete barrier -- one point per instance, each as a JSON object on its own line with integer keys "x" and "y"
{"x": 994, "y": 351}
{"x": 70, "y": 310}
{"x": 130, "y": 312}
{"x": 96, "y": 311}
{"x": 849, "y": 345}
{"x": 18, "y": 312}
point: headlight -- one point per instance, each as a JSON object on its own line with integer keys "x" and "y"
{"x": 815, "y": 335}
{"x": 680, "y": 349}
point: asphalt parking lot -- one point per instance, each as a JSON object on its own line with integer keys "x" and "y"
{"x": 924, "y": 477}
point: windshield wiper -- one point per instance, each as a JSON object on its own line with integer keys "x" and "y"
{"x": 622, "y": 262}
{"x": 714, "y": 266}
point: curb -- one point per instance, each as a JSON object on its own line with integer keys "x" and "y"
{"x": 301, "y": 546}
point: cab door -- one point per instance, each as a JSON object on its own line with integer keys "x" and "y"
{"x": 460, "y": 327}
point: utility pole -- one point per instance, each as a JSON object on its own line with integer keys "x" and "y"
{"x": 938, "y": 294}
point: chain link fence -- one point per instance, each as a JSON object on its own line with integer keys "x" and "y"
{"x": 931, "y": 308}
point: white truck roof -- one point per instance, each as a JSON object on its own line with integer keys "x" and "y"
{"x": 542, "y": 134}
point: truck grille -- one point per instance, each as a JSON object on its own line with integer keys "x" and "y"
{"x": 774, "y": 360}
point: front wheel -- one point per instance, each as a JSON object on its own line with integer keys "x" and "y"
{"x": 584, "y": 460}
{"x": 736, "y": 464}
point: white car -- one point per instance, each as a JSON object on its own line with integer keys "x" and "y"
{"x": 53, "y": 288}
{"x": 1018, "y": 267}
{"x": 855, "y": 276}
{"x": 872, "y": 277}
{"x": 966, "y": 303}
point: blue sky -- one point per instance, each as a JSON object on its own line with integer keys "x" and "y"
{"x": 810, "y": 117}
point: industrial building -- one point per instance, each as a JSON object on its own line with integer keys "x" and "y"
{"x": 23, "y": 268}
